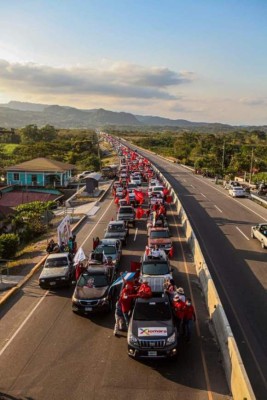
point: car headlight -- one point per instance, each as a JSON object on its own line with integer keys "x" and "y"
{"x": 104, "y": 300}
{"x": 74, "y": 299}
{"x": 132, "y": 339}
{"x": 171, "y": 339}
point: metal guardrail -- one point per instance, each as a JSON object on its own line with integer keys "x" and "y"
{"x": 259, "y": 199}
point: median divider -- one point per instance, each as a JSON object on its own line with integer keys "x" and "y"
{"x": 236, "y": 375}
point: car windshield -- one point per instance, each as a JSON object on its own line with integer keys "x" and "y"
{"x": 159, "y": 234}
{"x": 108, "y": 250}
{"x": 157, "y": 268}
{"x": 93, "y": 280}
{"x": 126, "y": 210}
{"x": 158, "y": 188}
{"x": 152, "y": 311}
{"x": 56, "y": 262}
{"x": 115, "y": 228}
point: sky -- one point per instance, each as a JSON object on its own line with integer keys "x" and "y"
{"x": 199, "y": 60}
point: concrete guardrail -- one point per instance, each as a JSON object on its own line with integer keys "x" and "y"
{"x": 236, "y": 375}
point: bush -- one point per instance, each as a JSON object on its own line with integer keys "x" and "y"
{"x": 9, "y": 243}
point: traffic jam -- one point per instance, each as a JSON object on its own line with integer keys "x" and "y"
{"x": 146, "y": 301}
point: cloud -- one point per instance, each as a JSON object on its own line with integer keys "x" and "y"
{"x": 119, "y": 80}
{"x": 253, "y": 101}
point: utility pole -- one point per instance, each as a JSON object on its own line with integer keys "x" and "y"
{"x": 251, "y": 165}
{"x": 223, "y": 156}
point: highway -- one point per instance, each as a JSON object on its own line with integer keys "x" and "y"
{"x": 48, "y": 352}
{"x": 237, "y": 263}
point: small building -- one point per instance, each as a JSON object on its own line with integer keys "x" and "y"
{"x": 91, "y": 182}
{"x": 40, "y": 172}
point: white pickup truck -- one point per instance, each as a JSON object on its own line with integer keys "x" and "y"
{"x": 260, "y": 232}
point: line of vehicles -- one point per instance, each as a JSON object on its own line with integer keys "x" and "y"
{"x": 152, "y": 331}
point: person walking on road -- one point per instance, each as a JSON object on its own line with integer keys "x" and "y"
{"x": 189, "y": 319}
{"x": 119, "y": 318}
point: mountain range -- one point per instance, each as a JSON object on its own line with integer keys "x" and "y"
{"x": 16, "y": 114}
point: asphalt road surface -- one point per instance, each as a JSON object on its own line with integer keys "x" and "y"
{"x": 48, "y": 352}
{"x": 237, "y": 262}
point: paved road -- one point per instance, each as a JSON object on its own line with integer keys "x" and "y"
{"x": 237, "y": 263}
{"x": 47, "y": 352}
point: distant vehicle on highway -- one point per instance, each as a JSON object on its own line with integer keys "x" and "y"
{"x": 230, "y": 184}
{"x": 260, "y": 232}
{"x": 58, "y": 271}
{"x": 237, "y": 191}
{"x": 127, "y": 214}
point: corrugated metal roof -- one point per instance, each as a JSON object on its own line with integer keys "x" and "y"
{"x": 41, "y": 164}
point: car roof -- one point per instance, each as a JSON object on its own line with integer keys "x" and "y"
{"x": 116, "y": 223}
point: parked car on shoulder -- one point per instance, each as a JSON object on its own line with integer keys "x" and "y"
{"x": 58, "y": 271}
{"x": 259, "y": 232}
{"x": 237, "y": 191}
{"x": 93, "y": 292}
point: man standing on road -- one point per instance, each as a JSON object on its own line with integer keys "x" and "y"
{"x": 189, "y": 319}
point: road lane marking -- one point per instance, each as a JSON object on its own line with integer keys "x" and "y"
{"x": 100, "y": 219}
{"x": 22, "y": 324}
{"x": 195, "y": 229}
{"x": 203, "y": 195}
{"x": 135, "y": 234}
{"x": 242, "y": 233}
{"x": 218, "y": 208}
{"x": 204, "y": 363}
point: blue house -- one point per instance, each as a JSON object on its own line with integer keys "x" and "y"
{"x": 41, "y": 172}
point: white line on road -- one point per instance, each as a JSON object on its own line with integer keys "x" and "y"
{"x": 135, "y": 234}
{"x": 218, "y": 208}
{"x": 23, "y": 323}
{"x": 203, "y": 195}
{"x": 242, "y": 233}
{"x": 100, "y": 219}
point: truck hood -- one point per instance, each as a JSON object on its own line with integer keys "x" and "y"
{"x": 115, "y": 235}
{"x": 152, "y": 329}
{"x": 159, "y": 241}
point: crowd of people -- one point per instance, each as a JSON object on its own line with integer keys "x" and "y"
{"x": 70, "y": 246}
{"x": 183, "y": 310}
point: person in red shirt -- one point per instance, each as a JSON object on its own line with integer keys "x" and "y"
{"x": 144, "y": 290}
{"x": 189, "y": 319}
{"x": 80, "y": 268}
{"x": 126, "y": 300}
{"x": 179, "y": 310}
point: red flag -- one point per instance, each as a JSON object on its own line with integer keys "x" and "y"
{"x": 169, "y": 199}
{"x": 116, "y": 201}
{"x": 147, "y": 250}
{"x": 127, "y": 198}
{"x": 139, "y": 212}
{"x": 171, "y": 252}
{"x": 139, "y": 196}
{"x": 166, "y": 191}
